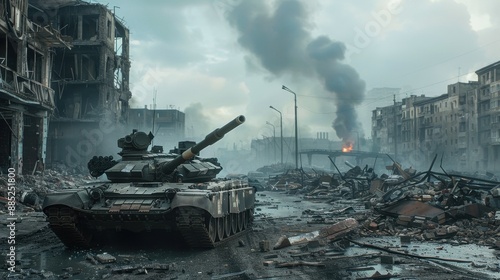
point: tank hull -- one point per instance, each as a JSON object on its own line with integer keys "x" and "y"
{"x": 204, "y": 214}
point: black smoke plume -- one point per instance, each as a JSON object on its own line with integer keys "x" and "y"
{"x": 278, "y": 37}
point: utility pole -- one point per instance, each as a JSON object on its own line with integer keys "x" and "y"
{"x": 395, "y": 132}
{"x": 296, "y": 133}
{"x": 281, "y": 135}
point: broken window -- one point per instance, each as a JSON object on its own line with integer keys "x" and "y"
{"x": 79, "y": 67}
{"x": 108, "y": 26}
{"x": 90, "y": 27}
{"x": 69, "y": 26}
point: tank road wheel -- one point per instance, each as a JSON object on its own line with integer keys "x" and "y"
{"x": 241, "y": 218}
{"x": 234, "y": 223}
{"x": 220, "y": 228}
{"x": 212, "y": 228}
{"x": 227, "y": 225}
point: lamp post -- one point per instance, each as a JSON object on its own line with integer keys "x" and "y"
{"x": 296, "y": 134}
{"x": 274, "y": 139}
{"x": 281, "y": 128}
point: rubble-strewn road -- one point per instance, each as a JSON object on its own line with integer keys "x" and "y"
{"x": 161, "y": 256}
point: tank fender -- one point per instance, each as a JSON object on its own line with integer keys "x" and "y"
{"x": 241, "y": 199}
{"x": 74, "y": 199}
{"x": 215, "y": 203}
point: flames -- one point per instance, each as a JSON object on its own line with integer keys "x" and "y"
{"x": 347, "y": 147}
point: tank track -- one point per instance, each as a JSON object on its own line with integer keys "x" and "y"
{"x": 63, "y": 222}
{"x": 192, "y": 223}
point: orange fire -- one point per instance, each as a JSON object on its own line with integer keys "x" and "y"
{"x": 347, "y": 147}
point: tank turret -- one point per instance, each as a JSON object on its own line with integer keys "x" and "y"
{"x": 138, "y": 164}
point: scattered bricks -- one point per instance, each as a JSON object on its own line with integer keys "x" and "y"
{"x": 387, "y": 259}
{"x": 452, "y": 229}
{"x": 267, "y": 263}
{"x": 373, "y": 226}
{"x": 105, "y": 258}
{"x": 429, "y": 235}
{"x": 417, "y": 223}
{"x": 264, "y": 246}
{"x": 282, "y": 243}
{"x": 140, "y": 271}
{"x": 404, "y": 218}
{"x": 426, "y": 197}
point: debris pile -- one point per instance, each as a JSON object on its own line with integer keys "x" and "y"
{"x": 426, "y": 205}
{"x": 31, "y": 189}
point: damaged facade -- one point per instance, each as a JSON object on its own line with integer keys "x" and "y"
{"x": 90, "y": 81}
{"x": 26, "y": 99}
{"x": 461, "y": 125}
{"x": 64, "y": 69}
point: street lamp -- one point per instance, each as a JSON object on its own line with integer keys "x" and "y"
{"x": 274, "y": 138}
{"x": 296, "y": 134}
{"x": 281, "y": 128}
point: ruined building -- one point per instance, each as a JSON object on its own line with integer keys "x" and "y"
{"x": 64, "y": 72}
{"x": 488, "y": 119}
{"x": 462, "y": 125}
{"x": 90, "y": 82}
{"x": 26, "y": 99}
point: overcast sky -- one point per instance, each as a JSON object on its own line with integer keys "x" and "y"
{"x": 216, "y": 59}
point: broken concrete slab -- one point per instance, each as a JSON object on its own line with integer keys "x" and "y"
{"x": 105, "y": 258}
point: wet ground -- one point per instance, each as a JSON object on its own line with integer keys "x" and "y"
{"x": 40, "y": 255}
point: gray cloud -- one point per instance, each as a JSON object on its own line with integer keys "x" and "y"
{"x": 276, "y": 39}
{"x": 281, "y": 43}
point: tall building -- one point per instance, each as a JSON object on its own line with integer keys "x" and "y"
{"x": 488, "y": 110}
{"x": 26, "y": 99}
{"x": 90, "y": 81}
{"x": 461, "y": 126}
{"x": 386, "y": 129}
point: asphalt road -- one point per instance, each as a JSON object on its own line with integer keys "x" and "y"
{"x": 40, "y": 255}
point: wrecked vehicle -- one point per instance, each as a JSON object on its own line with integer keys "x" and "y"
{"x": 150, "y": 190}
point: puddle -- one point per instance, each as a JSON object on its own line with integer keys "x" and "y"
{"x": 479, "y": 258}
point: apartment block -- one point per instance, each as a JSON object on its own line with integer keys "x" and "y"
{"x": 460, "y": 126}
{"x": 386, "y": 129}
{"x": 26, "y": 98}
{"x": 488, "y": 115}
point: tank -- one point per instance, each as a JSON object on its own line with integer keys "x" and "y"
{"x": 151, "y": 190}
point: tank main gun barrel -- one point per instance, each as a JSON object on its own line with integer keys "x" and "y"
{"x": 210, "y": 139}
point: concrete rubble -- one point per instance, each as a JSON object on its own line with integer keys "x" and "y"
{"x": 359, "y": 210}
